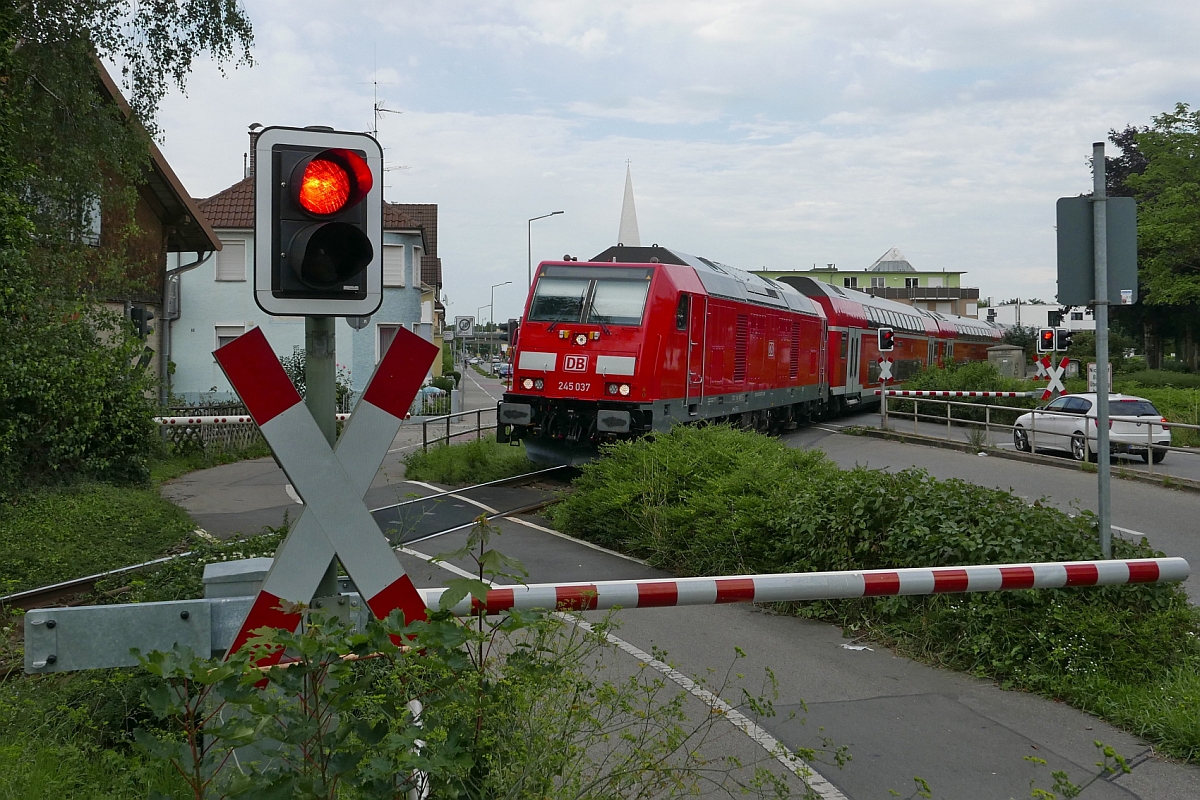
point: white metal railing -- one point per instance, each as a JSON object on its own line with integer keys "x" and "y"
{"x": 989, "y": 422}
{"x": 463, "y": 430}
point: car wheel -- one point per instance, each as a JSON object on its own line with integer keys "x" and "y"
{"x": 1079, "y": 448}
{"x": 1158, "y": 456}
{"x": 1021, "y": 439}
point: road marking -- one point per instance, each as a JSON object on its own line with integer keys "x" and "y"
{"x": 439, "y": 489}
{"x": 562, "y": 535}
{"x": 291, "y": 492}
{"x": 206, "y": 536}
{"x": 776, "y": 749}
{"x": 406, "y": 447}
{"x": 470, "y": 374}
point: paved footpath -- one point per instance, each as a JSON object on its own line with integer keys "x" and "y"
{"x": 900, "y": 719}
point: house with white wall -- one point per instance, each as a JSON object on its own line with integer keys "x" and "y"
{"x": 1037, "y": 315}
{"x": 213, "y": 301}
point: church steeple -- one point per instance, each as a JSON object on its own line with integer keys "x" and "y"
{"x": 628, "y": 234}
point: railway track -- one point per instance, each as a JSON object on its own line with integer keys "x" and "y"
{"x": 79, "y": 591}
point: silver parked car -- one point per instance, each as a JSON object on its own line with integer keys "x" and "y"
{"x": 1069, "y": 423}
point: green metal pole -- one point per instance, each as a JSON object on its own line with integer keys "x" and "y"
{"x": 1100, "y": 249}
{"x": 320, "y": 370}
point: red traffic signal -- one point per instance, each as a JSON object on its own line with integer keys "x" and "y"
{"x": 331, "y": 180}
{"x": 887, "y": 340}
{"x": 318, "y": 223}
{"x": 1045, "y": 343}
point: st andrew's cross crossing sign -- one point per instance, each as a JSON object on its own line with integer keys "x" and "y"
{"x": 334, "y": 522}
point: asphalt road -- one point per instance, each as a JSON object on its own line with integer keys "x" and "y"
{"x": 1184, "y": 463}
{"x": 900, "y": 719}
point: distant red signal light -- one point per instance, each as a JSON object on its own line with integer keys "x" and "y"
{"x": 333, "y": 180}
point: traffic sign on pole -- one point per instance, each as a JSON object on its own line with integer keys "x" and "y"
{"x": 334, "y": 522}
{"x": 464, "y": 326}
{"x": 1077, "y": 250}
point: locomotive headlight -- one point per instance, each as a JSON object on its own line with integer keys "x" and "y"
{"x": 610, "y": 388}
{"x": 527, "y": 383}
{"x": 624, "y": 390}
{"x": 539, "y": 384}
{"x": 581, "y": 339}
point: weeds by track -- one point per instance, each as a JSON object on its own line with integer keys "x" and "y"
{"x": 77, "y": 590}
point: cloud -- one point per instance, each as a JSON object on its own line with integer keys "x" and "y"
{"x": 761, "y": 132}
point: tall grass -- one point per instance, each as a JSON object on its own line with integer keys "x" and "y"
{"x": 720, "y": 501}
{"x": 50, "y": 535}
{"x": 476, "y": 461}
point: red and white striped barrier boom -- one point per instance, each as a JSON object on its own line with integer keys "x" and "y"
{"x": 914, "y": 393}
{"x": 334, "y": 522}
{"x": 223, "y": 420}
{"x": 800, "y": 586}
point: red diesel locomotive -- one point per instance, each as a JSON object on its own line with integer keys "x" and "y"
{"x": 641, "y": 338}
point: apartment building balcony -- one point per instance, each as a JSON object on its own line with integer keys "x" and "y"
{"x": 931, "y": 293}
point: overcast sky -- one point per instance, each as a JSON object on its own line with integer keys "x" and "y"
{"x": 774, "y": 134}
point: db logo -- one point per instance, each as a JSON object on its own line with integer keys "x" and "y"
{"x": 575, "y": 363}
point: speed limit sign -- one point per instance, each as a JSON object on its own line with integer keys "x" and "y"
{"x": 464, "y": 326}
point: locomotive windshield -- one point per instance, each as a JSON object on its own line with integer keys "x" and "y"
{"x": 597, "y": 295}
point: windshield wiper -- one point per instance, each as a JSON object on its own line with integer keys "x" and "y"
{"x": 603, "y": 327}
{"x": 556, "y": 323}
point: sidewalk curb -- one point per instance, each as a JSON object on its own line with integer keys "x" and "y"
{"x": 1165, "y": 481}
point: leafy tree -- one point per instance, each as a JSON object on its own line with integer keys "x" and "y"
{"x": 80, "y": 152}
{"x": 73, "y": 398}
{"x": 1168, "y": 193}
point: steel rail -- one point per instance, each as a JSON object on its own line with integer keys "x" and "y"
{"x": 39, "y": 597}
{"x": 529, "y": 509}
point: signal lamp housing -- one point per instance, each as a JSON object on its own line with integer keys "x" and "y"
{"x": 887, "y": 340}
{"x": 318, "y": 223}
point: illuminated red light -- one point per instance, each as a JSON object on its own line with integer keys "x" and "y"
{"x": 333, "y": 180}
{"x": 325, "y": 187}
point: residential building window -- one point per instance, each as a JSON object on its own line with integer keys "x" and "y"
{"x": 231, "y": 261}
{"x": 418, "y": 253}
{"x": 385, "y": 335}
{"x": 227, "y": 333}
{"x": 393, "y": 265}
{"x": 912, "y": 283}
{"x": 878, "y": 283}
{"x": 1077, "y": 315}
{"x": 850, "y": 282}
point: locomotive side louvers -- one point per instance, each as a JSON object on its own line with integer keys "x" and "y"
{"x": 739, "y": 348}
{"x": 794, "y": 366}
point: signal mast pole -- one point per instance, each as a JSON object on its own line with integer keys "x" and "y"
{"x": 1100, "y": 252}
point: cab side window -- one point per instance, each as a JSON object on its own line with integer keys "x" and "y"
{"x": 681, "y": 313}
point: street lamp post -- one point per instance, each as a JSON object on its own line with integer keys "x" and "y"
{"x": 478, "y": 314}
{"x": 492, "y": 306}
{"x": 529, "y": 245}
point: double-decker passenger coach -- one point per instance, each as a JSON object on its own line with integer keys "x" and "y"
{"x": 640, "y": 338}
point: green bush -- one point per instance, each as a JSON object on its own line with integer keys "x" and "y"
{"x": 444, "y": 382}
{"x": 56, "y": 534}
{"x": 73, "y": 400}
{"x": 719, "y": 501}
{"x": 476, "y": 461}
{"x": 976, "y": 376}
{"x": 1176, "y": 404}
{"x": 1158, "y": 378}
